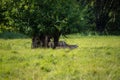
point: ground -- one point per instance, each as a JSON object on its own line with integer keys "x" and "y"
{"x": 96, "y": 58}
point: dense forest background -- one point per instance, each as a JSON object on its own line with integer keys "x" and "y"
{"x": 52, "y": 18}
{"x": 70, "y": 16}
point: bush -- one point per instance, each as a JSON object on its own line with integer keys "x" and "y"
{"x": 12, "y": 35}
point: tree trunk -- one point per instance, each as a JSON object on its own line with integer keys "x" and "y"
{"x": 101, "y": 23}
{"x": 56, "y": 39}
{"x": 47, "y": 40}
{"x": 36, "y": 42}
{"x": 44, "y": 39}
{"x": 100, "y": 27}
{"x": 40, "y": 41}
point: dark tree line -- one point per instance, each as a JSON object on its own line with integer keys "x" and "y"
{"x": 106, "y": 12}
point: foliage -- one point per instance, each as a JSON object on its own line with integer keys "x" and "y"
{"x": 42, "y": 16}
{"x": 106, "y": 13}
{"x": 68, "y": 16}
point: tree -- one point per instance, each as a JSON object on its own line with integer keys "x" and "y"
{"x": 43, "y": 19}
{"x": 4, "y": 16}
{"x": 105, "y": 15}
{"x": 105, "y": 10}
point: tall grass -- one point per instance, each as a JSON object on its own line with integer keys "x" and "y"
{"x": 96, "y": 58}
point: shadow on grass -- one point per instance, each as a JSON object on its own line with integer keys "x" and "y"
{"x": 62, "y": 44}
{"x": 12, "y": 35}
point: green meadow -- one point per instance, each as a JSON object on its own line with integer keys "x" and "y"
{"x": 96, "y": 58}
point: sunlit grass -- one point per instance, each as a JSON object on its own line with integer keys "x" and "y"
{"x": 96, "y": 58}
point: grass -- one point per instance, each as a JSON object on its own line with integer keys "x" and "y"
{"x": 96, "y": 58}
